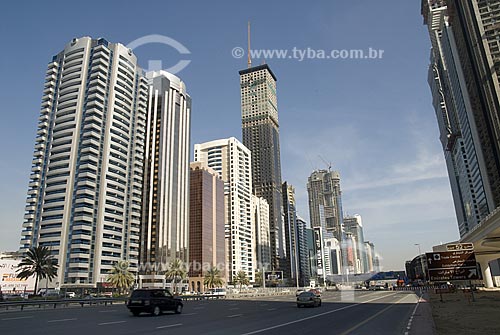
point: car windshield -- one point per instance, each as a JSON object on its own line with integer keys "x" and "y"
{"x": 305, "y": 294}
{"x": 140, "y": 294}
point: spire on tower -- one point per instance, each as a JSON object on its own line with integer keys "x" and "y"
{"x": 249, "y": 60}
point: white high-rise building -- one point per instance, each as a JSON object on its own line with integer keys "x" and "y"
{"x": 84, "y": 194}
{"x": 260, "y": 215}
{"x": 165, "y": 214}
{"x": 232, "y": 160}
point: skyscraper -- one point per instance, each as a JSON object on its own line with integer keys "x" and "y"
{"x": 290, "y": 260}
{"x": 165, "y": 213}
{"x": 303, "y": 231}
{"x": 206, "y": 224}
{"x": 232, "y": 160}
{"x": 455, "y": 115}
{"x": 353, "y": 225}
{"x": 84, "y": 194}
{"x": 475, "y": 30}
{"x": 259, "y": 118}
{"x": 260, "y": 214}
{"x": 325, "y": 202}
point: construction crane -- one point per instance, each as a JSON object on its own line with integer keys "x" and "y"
{"x": 328, "y": 164}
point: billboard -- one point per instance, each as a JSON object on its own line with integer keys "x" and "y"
{"x": 8, "y": 278}
{"x": 273, "y": 275}
{"x": 318, "y": 247}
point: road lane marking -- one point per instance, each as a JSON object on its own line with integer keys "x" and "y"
{"x": 168, "y": 326}
{"x": 314, "y": 316}
{"x": 199, "y": 308}
{"x": 234, "y": 316}
{"x": 110, "y": 323}
{"x": 186, "y": 314}
{"x": 62, "y": 320}
{"x": 362, "y": 323}
{"x": 110, "y": 311}
{"x": 234, "y": 308}
{"x": 273, "y": 309}
{"x": 18, "y": 318}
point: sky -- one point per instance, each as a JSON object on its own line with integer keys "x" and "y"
{"x": 371, "y": 119}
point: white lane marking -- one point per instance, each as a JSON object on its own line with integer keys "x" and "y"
{"x": 62, "y": 320}
{"x": 408, "y": 326}
{"x": 186, "y": 314}
{"x": 234, "y": 316}
{"x": 371, "y": 317}
{"x": 315, "y": 316}
{"x": 168, "y": 326}
{"x": 273, "y": 309}
{"x": 18, "y": 318}
{"x": 110, "y": 311}
{"x": 110, "y": 323}
{"x": 199, "y": 308}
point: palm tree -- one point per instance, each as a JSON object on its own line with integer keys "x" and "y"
{"x": 120, "y": 276}
{"x": 259, "y": 278}
{"x": 176, "y": 271}
{"x": 39, "y": 262}
{"x": 241, "y": 278}
{"x": 213, "y": 278}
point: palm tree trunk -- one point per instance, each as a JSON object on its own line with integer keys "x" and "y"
{"x": 36, "y": 283}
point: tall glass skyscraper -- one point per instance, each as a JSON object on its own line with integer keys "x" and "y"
{"x": 460, "y": 110}
{"x": 84, "y": 196}
{"x": 259, "y": 118}
{"x": 165, "y": 213}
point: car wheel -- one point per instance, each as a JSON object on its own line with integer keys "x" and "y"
{"x": 136, "y": 313}
{"x": 178, "y": 309}
{"x": 156, "y": 311}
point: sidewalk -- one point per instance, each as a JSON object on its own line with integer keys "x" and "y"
{"x": 457, "y": 314}
{"x": 421, "y": 322}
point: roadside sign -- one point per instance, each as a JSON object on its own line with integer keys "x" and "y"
{"x": 452, "y": 265}
{"x": 460, "y": 246}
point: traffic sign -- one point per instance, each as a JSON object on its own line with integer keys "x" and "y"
{"x": 452, "y": 265}
{"x": 460, "y": 246}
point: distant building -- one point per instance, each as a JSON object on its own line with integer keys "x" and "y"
{"x": 354, "y": 225}
{"x": 325, "y": 201}
{"x": 370, "y": 256}
{"x": 305, "y": 246}
{"x": 291, "y": 251}
{"x": 333, "y": 256}
{"x": 260, "y": 215}
{"x": 417, "y": 269}
{"x": 232, "y": 161}
{"x": 206, "y": 224}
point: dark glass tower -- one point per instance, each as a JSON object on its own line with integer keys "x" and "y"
{"x": 259, "y": 118}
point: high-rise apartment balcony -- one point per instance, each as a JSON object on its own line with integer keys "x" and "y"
{"x": 29, "y": 216}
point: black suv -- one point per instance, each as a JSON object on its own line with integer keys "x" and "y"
{"x": 153, "y": 301}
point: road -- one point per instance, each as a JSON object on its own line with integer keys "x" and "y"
{"x": 358, "y": 312}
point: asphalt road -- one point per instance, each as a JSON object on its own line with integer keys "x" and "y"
{"x": 359, "y": 312}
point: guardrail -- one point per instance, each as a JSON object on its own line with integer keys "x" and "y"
{"x": 63, "y": 302}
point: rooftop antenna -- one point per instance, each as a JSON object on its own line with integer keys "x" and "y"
{"x": 249, "y": 61}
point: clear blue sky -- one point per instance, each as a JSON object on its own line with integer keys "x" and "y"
{"x": 372, "y": 119}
